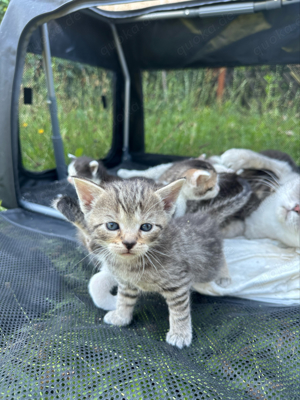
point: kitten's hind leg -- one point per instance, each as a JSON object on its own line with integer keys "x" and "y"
{"x": 126, "y": 299}
{"x": 223, "y": 279}
{"x": 180, "y": 333}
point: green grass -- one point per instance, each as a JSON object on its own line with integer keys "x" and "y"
{"x": 85, "y": 126}
{"x": 80, "y": 131}
{"x": 170, "y": 129}
{"x": 212, "y": 130}
{"x": 259, "y": 111}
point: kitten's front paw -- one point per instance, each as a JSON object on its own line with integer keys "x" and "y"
{"x": 100, "y": 286}
{"x": 223, "y": 282}
{"x": 179, "y": 339}
{"x": 114, "y": 318}
{"x": 238, "y": 158}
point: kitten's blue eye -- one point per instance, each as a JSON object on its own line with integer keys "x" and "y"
{"x": 112, "y": 226}
{"x": 146, "y": 227}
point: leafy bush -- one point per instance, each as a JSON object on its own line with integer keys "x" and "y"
{"x": 3, "y": 8}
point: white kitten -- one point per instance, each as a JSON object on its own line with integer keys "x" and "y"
{"x": 278, "y": 216}
{"x": 151, "y": 173}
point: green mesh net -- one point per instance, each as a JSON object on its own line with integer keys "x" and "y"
{"x": 54, "y": 344}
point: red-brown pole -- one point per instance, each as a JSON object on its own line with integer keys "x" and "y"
{"x": 221, "y": 84}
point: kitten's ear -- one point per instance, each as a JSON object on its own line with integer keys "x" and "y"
{"x": 94, "y": 165}
{"x": 197, "y": 176}
{"x": 202, "y": 157}
{"x": 87, "y": 192}
{"x": 170, "y": 193}
{"x": 71, "y": 156}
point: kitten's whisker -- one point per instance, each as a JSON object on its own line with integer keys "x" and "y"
{"x": 149, "y": 259}
{"x": 96, "y": 266}
{"x": 95, "y": 257}
{"x": 266, "y": 183}
{"x": 265, "y": 179}
{"x": 83, "y": 258}
{"x": 143, "y": 258}
{"x": 140, "y": 260}
{"x": 272, "y": 175}
{"x": 151, "y": 254}
{"x": 103, "y": 253}
{"x": 157, "y": 251}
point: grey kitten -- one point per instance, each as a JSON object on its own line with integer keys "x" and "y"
{"x": 133, "y": 235}
{"x": 87, "y": 167}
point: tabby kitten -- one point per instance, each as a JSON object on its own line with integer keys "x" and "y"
{"x": 133, "y": 235}
{"x": 201, "y": 182}
{"x": 233, "y": 196}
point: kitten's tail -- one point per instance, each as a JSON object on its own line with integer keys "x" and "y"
{"x": 70, "y": 209}
{"x": 228, "y": 207}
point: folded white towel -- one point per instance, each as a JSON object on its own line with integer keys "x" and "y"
{"x": 261, "y": 269}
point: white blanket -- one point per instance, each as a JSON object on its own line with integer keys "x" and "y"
{"x": 260, "y": 269}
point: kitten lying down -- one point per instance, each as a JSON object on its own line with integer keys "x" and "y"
{"x": 130, "y": 230}
{"x": 159, "y": 172}
{"x": 278, "y": 215}
{"x": 87, "y": 167}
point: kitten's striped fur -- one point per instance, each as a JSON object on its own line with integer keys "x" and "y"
{"x": 168, "y": 259}
{"x": 234, "y": 194}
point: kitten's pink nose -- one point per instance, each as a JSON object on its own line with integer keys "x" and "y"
{"x": 70, "y": 179}
{"x": 297, "y": 208}
{"x": 129, "y": 245}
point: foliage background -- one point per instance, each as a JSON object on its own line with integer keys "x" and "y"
{"x": 259, "y": 109}
{"x": 3, "y": 7}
